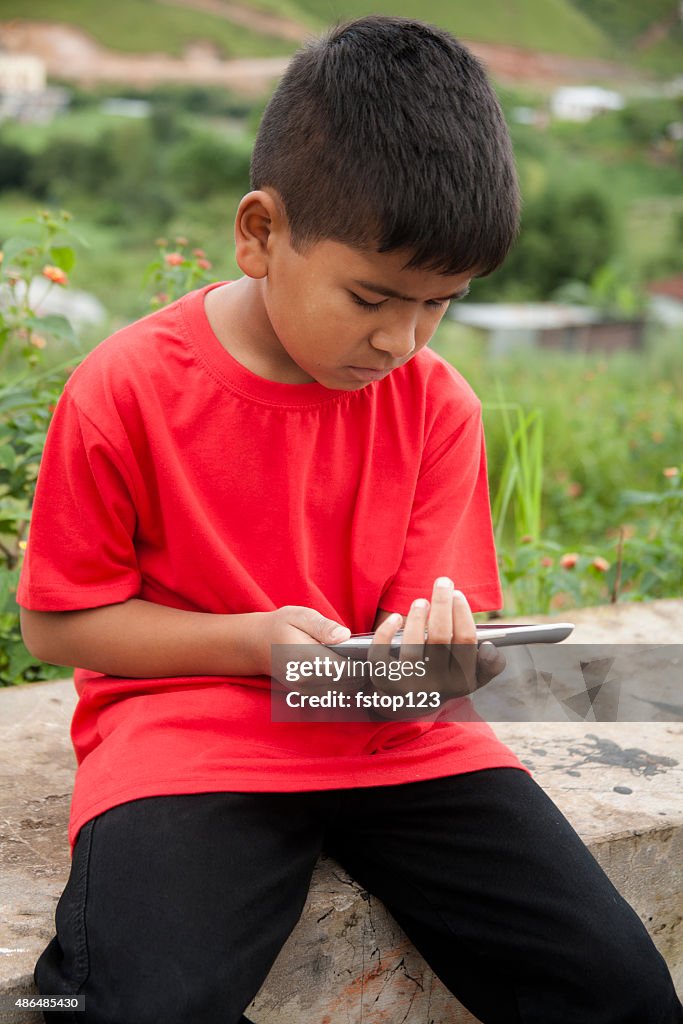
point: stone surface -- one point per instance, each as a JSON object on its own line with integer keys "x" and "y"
{"x": 619, "y": 783}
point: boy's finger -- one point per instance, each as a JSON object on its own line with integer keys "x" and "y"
{"x": 384, "y": 634}
{"x": 440, "y": 621}
{"x": 463, "y": 625}
{"x": 416, "y": 623}
{"x": 490, "y": 662}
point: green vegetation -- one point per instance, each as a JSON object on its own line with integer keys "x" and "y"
{"x": 627, "y": 20}
{"x": 148, "y": 26}
{"x": 552, "y": 25}
{"x": 648, "y": 34}
{"x": 584, "y": 458}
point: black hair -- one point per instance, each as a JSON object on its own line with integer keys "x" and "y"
{"x": 386, "y": 135}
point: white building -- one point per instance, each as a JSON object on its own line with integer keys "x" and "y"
{"x": 21, "y": 72}
{"x": 582, "y": 102}
{"x": 511, "y": 326}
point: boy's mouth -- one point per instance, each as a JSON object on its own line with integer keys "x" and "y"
{"x": 367, "y": 373}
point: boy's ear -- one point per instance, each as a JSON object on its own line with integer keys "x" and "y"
{"x": 259, "y": 219}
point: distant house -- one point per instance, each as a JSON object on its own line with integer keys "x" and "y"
{"x": 582, "y": 102}
{"x": 510, "y": 326}
{"x": 21, "y": 72}
{"x": 666, "y": 300}
{"x": 24, "y": 93}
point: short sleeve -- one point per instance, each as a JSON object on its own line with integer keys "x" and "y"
{"x": 450, "y": 531}
{"x": 80, "y": 550}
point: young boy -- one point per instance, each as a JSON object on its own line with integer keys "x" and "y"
{"x": 281, "y": 459}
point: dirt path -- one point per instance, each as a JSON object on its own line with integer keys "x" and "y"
{"x": 71, "y": 54}
{"x": 259, "y": 21}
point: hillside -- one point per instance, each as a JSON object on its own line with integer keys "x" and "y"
{"x": 648, "y": 35}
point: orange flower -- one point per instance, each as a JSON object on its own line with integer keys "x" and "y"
{"x": 180, "y": 240}
{"x": 574, "y": 489}
{"x": 601, "y": 564}
{"x": 38, "y": 341}
{"x": 569, "y": 560}
{"x": 174, "y": 259}
{"x": 671, "y": 471}
{"x": 526, "y": 539}
{"x": 55, "y": 274}
{"x": 51, "y": 407}
{"x": 204, "y": 264}
{"x": 657, "y": 436}
{"x": 161, "y": 242}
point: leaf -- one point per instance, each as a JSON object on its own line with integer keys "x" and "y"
{"x": 14, "y": 246}
{"x": 56, "y": 325}
{"x": 63, "y": 257}
{"x": 7, "y": 456}
{"x": 649, "y": 497}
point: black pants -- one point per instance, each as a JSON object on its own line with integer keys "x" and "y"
{"x": 177, "y": 906}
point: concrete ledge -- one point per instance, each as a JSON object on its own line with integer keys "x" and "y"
{"x": 620, "y": 784}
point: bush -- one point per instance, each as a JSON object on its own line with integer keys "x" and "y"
{"x": 27, "y": 394}
{"x": 15, "y": 165}
{"x": 206, "y": 165}
{"x": 67, "y": 166}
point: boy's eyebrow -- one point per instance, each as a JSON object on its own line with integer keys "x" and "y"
{"x": 381, "y": 289}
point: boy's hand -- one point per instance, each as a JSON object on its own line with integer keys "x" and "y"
{"x": 296, "y": 624}
{"x": 455, "y": 665}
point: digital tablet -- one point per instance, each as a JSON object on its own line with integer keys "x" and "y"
{"x": 502, "y": 635}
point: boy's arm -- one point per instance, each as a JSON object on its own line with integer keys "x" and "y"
{"x": 140, "y": 639}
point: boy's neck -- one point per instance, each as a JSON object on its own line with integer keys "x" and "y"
{"x": 237, "y": 316}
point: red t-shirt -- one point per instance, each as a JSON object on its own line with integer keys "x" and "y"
{"x": 173, "y": 474}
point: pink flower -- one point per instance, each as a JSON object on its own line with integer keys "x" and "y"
{"x": 181, "y": 240}
{"x": 204, "y": 264}
{"x": 671, "y": 471}
{"x": 55, "y": 274}
{"x": 199, "y": 253}
{"x": 546, "y": 562}
{"x": 569, "y": 560}
{"x": 174, "y": 259}
{"x": 601, "y": 564}
{"x": 574, "y": 489}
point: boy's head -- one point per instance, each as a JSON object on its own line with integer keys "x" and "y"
{"x": 386, "y": 136}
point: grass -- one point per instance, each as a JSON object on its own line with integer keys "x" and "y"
{"x": 145, "y": 26}
{"x": 555, "y": 26}
{"x": 609, "y": 424}
{"x": 138, "y": 26}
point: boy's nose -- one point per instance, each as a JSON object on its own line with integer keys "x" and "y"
{"x": 398, "y": 342}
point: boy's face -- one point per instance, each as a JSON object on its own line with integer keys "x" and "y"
{"x": 345, "y": 318}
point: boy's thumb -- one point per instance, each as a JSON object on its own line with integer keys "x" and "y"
{"x": 333, "y": 633}
{"x": 327, "y": 631}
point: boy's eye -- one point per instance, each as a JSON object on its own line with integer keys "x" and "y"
{"x": 432, "y": 303}
{"x": 365, "y": 305}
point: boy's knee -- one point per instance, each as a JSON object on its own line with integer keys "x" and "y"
{"x": 635, "y": 986}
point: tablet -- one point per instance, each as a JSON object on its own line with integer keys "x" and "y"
{"x": 502, "y": 635}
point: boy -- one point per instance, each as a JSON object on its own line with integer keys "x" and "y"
{"x": 281, "y": 460}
